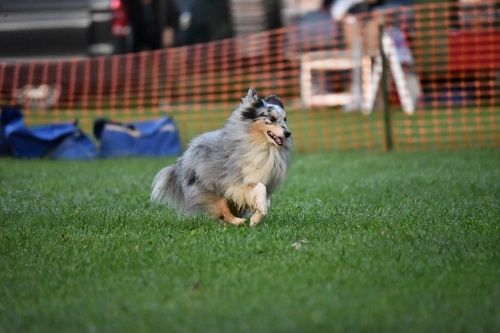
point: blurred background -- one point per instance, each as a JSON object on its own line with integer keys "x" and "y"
{"x": 33, "y": 28}
{"x": 192, "y": 60}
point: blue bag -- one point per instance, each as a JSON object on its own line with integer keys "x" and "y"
{"x": 37, "y": 141}
{"x": 77, "y": 146}
{"x": 60, "y": 141}
{"x": 8, "y": 114}
{"x": 154, "y": 138}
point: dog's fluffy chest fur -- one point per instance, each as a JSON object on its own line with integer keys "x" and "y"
{"x": 263, "y": 165}
{"x": 260, "y": 165}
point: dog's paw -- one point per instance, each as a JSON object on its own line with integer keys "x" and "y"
{"x": 261, "y": 206}
{"x": 255, "y": 219}
{"x": 237, "y": 221}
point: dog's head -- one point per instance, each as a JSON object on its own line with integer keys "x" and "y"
{"x": 267, "y": 118}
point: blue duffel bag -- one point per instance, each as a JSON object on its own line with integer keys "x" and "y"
{"x": 35, "y": 142}
{"x": 60, "y": 141}
{"x": 153, "y": 138}
{"x": 8, "y": 114}
{"x": 77, "y": 146}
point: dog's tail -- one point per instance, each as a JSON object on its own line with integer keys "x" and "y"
{"x": 167, "y": 188}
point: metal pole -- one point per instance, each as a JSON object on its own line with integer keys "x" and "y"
{"x": 385, "y": 93}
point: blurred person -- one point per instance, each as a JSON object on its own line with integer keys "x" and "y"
{"x": 154, "y": 23}
{"x": 202, "y": 21}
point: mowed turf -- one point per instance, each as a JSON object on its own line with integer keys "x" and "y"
{"x": 356, "y": 242}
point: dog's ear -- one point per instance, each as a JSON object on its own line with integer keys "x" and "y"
{"x": 250, "y": 105}
{"x": 251, "y": 97}
{"x": 273, "y": 99}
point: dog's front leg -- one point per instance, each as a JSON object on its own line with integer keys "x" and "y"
{"x": 257, "y": 199}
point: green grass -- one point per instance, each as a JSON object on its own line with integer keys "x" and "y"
{"x": 400, "y": 242}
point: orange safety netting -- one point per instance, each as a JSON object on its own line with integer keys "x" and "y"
{"x": 313, "y": 68}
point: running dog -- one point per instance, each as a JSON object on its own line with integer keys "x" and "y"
{"x": 231, "y": 173}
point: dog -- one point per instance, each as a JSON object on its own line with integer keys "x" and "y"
{"x": 231, "y": 173}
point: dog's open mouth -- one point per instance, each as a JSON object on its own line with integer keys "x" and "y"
{"x": 276, "y": 139}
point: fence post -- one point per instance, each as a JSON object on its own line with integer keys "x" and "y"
{"x": 385, "y": 93}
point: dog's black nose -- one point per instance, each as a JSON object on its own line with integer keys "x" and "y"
{"x": 287, "y": 134}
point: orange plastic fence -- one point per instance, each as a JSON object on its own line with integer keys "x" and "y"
{"x": 456, "y": 52}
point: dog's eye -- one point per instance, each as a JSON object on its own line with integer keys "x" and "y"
{"x": 285, "y": 119}
{"x": 272, "y": 119}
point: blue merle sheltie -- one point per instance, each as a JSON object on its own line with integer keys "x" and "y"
{"x": 231, "y": 173}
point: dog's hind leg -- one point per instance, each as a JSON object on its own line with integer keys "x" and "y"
{"x": 257, "y": 199}
{"x": 223, "y": 212}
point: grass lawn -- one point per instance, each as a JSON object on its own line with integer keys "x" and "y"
{"x": 399, "y": 242}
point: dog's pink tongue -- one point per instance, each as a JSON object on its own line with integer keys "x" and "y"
{"x": 279, "y": 140}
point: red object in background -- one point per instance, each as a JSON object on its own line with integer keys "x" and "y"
{"x": 120, "y": 24}
{"x": 473, "y": 50}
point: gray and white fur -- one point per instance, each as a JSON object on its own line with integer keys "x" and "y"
{"x": 231, "y": 172}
